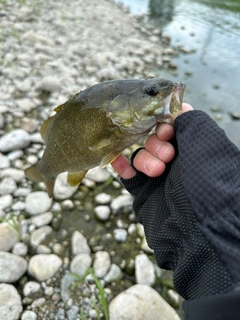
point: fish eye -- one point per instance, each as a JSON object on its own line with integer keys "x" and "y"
{"x": 152, "y": 89}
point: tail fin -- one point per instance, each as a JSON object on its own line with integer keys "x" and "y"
{"x": 33, "y": 174}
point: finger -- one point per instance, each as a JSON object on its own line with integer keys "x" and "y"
{"x": 162, "y": 150}
{"x": 123, "y": 167}
{"x": 148, "y": 164}
{"x": 186, "y": 107}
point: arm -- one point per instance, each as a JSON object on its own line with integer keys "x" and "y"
{"x": 191, "y": 214}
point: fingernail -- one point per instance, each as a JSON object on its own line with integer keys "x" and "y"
{"x": 151, "y": 164}
{"x": 162, "y": 151}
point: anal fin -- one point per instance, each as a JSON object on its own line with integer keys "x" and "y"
{"x": 109, "y": 158}
{"x": 75, "y": 178}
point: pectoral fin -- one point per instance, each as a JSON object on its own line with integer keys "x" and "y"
{"x": 75, "y": 178}
{"x": 109, "y": 158}
{"x": 100, "y": 144}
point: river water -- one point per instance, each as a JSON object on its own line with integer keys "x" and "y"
{"x": 210, "y": 31}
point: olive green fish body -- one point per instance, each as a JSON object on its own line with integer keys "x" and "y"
{"x": 97, "y": 124}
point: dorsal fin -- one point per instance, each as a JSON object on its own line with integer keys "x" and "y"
{"x": 59, "y": 108}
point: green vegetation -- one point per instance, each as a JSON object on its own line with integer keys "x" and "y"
{"x": 12, "y": 224}
{"x": 100, "y": 294}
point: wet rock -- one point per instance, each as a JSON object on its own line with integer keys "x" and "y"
{"x": 235, "y": 115}
{"x": 12, "y": 267}
{"x": 144, "y": 270}
{"x": 44, "y": 266}
{"x": 20, "y": 249}
{"x": 5, "y": 201}
{"x": 102, "y": 212}
{"x": 16, "y": 139}
{"x": 141, "y": 302}
{"x": 10, "y": 302}
{"x": 7, "y": 185}
{"x": 62, "y": 190}
{"x": 120, "y": 235}
{"x": 101, "y": 263}
{"x": 80, "y": 263}
{"x": 29, "y": 315}
{"x": 79, "y": 243}
{"x": 121, "y": 201}
{"x": 42, "y": 219}
{"x": 38, "y": 202}
{"x": 8, "y": 237}
{"x": 40, "y": 234}
{"x": 114, "y": 274}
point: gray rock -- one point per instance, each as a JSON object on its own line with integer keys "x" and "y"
{"x": 60, "y": 314}
{"x": 79, "y": 244}
{"x": 20, "y": 249}
{"x": 29, "y": 315}
{"x": 141, "y": 302}
{"x": 32, "y": 289}
{"x": 18, "y": 206}
{"x": 102, "y": 212}
{"x": 38, "y": 202}
{"x": 121, "y": 201}
{"x": 14, "y": 155}
{"x": 144, "y": 270}
{"x": 39, "y": 235}
{"x": 10, "y": 302}
{"x": 114, "y": 274}
{"x": 101, "y": 263}
{"x": 44, "y": 266}
{"x": 4, "y": 162}
{"x": 80, "y": 263}
{"x": 120, "y": 235}
{"x": 42, "y": 219}
{"x": 38, "y": 302}
{"x": 22, "y": 192}
{"x": 73, "y": 312}
{"x": 15, "y": 174}
{"x": 7, "y": 186}
{"x": 66, "y": 283}
{"x": 5, "y": 201}
{"x": 12, "y": 267}
{"x": 62, "y": 190}
{"x": 16, "y": 139}
{"x": 8, "y": 237}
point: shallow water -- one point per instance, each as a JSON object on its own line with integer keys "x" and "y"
{"x": 211, "y": 32}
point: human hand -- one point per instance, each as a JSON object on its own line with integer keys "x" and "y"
{"x": 151, "y": 160}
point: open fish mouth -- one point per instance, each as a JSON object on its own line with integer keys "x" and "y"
{"x": 177, "y": 97}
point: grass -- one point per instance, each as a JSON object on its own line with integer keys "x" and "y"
{"x": 100, "y": 294}
{"x": 12, "y": 224}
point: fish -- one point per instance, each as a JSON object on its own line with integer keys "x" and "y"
{"x": 95, "y": 126}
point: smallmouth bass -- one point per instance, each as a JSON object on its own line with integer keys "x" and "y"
{"x": 97, "y": 124}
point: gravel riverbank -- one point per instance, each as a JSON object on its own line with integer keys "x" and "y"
{"x": 49, "y": 51}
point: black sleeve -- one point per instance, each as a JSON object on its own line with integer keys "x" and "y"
{"x": 191, "y": 213}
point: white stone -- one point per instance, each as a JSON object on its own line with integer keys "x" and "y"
{"x": 80, "y": 263}
{"x": 4, "y": 162}
{"x": 141, "y": 302}
{"x": 98, "y": 175}
{"x": 16, "y": 139}
{"x": 14, "y": 155}
{"x": 120, "y": 235}
{"x": 12, "y": 267}
{"x": 44, "y": 266}
{"x": 20, "y": 249}
{"x": 103, "y": 198}
{"x": 114, "y": 274}
{"x": 10, "y": 302}
{"x": 101, "y": 263}
{"x": 121, "y": 201}
{"x": 31, "y": 289}
{"x": 102, "y": 212}
{"x": 25, "y": 104}
{"x": 79, "y": 244}
{"x": 62, "y": 190}
{"x": 144, "y": 270}
{"x": 38, "y": 202}
{"x": 8, "y": 237}
{"x": 18, "y": 206}
{"x": 29, "y": 315}
{"x": 39, "y": 235}
{"x": 42, "y": 219}
{"x": 7, "y": 186}
{"x": 50, "y": 84}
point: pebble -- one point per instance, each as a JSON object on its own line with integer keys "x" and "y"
{"x": 80, "y": 264}
{"x": 29, "y": 315}
{"x": 62, "y": 190}
{"x": 1, "y": 120}
{"x": 16, "y": 139}
{"x": 42, "y": 219}
{"x": 16, "y": 174}
{"x": 103, "y": 198}
{"x": 12, "y": 267}
{"x": 50, "y": 84}
{"x": 7, "y": 186}
{"x": 14, "y": 155}
{"x": 4, "y": 161}
{"x": 98, "y": 175}
{"x": 101, "y": 263}
{"x": 8, "y": 237}
{"x": 44, "y": 266}
{"x": 20, "y": 249}
{"x": 79, "y": 244}
{"x": 18, "y": 206}
{"x": 40, "y": 234}
{"x": 114, "y": 274}
{"x": 121, "y": 201}
{"x": 120, "y": 235}
{"x": 10, "y": 302}
{"x": 102, "y": 212}
{"x": 144, "y": 270}
{"x": 73, "y": 313}
{"x": 38, "y": 202}
{"x": 141, "y": 302}
{"x": 32, "y": 289}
